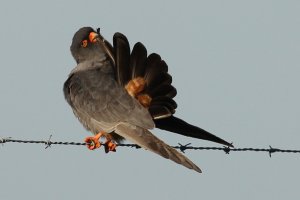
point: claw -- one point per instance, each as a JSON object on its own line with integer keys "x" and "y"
{"x": 93, "y": 142}
{"x": 110, "y": 146}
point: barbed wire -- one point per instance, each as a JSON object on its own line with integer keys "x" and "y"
{"x": 181, "y": 147}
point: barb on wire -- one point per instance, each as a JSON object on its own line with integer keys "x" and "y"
{"x": 181, "y": 147}
{"x": 2, "y": 140}
{"x": 48, "y": 142}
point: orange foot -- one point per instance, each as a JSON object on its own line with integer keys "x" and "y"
{"x": 110, "y": 146}
{"x": 93, "y": 142}
{"x": 135, "y": 86}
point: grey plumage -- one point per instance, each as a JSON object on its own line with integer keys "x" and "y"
{"x": 147, "y": 140}
{"x": 94, "y": 94}
{"x": 102, "y": 104}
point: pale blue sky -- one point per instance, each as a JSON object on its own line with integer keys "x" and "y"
{"x": 235, "y": 65}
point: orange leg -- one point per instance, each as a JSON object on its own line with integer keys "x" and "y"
{"x": 93, "y": 142}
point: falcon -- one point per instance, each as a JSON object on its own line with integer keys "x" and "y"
{"x": 121, "y": 94}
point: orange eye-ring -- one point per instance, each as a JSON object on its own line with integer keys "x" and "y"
{"x": 84, "y": 43}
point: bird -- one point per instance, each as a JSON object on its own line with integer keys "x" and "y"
{"x": 118, "y": 93}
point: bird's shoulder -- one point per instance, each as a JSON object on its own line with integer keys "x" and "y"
{"x": 89, "y": 77}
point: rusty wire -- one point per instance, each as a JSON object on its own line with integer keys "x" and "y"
{"x": 181, "y": 147}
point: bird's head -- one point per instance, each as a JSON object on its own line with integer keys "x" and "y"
{"x": 87, "y": 44}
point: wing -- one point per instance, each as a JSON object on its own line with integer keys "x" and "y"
{"x": 158, "y": 86}
{"x": 176, "y": 125}
{"x": 152, "y": 68}
{"x": 98, "y": 100}
{"x": 147, "y": 140}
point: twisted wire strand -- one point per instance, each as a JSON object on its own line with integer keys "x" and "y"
{"x": 181, "y": 147}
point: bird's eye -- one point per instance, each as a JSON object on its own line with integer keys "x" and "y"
{"x": 84, "y": 43}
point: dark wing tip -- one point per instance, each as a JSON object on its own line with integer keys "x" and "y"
{"x": 176, "y": 125}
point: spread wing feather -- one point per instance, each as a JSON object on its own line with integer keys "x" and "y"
{"x": 158, "y": 86}
{"x": 152, "y": 68}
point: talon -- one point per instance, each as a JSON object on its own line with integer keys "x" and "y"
{"x": 93, "y": 142}
{"x": 110, "y": 146}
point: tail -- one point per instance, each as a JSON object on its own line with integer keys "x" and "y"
{"x": 147, "y": 140}
{"x": 181, "y": 127}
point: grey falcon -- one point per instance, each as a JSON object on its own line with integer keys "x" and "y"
{"x": 118, "y": 94}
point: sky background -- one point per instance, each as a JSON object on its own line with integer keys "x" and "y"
{"x": 236, "y": 68}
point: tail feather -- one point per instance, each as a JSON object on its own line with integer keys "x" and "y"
{"x": 147, "y": 140}
{"x": 122, "y": 58}
{"x": 163, "y": 91}
{"x": 154, "y": 67}
{"x": 163, "y": 79}
{"x": 181, "y": 127}
{"x": 169, "y": 103}
{"x": 137, "y": 60}
{"x": 159, "y": 111}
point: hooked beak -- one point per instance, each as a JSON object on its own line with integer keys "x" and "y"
{"x": 93, "y": 37}
{"x": 96, "y": 37}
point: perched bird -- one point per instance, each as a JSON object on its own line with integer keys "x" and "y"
{"x": 118, "y": 94}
